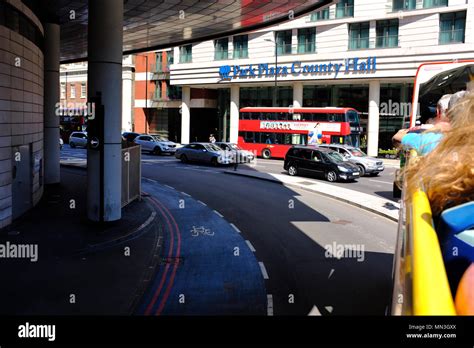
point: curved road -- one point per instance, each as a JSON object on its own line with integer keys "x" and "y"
{"x": 290, "y": 230}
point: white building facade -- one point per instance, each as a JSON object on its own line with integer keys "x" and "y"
{"x": 357, "y": 53}
{"x": 73, "y": 93}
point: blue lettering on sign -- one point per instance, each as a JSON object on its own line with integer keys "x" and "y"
{"x": 357, "y": 65}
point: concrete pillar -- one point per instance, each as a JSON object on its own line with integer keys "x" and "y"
{"x": 224, "y": 126}
{"x": 185, "y": 114}
{"x": 373, "y": 121}
{"x": 51, "y": 97}
{"x": 234, "y": 113}
{"x": 297, "y": 94}
{"x": 127, "y": 97}
{"x": 104, "y": 76}
{"x": 334, "y": 96}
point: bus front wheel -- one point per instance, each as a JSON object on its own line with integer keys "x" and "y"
{"x": 266, "y": 153}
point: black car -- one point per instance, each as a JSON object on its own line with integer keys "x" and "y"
{"x": 130, "y": 136}
{"x": 321, "y": 162}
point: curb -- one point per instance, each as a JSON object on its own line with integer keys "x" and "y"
{"x": 276, "y": 181}
{"x": 70, "y": 165}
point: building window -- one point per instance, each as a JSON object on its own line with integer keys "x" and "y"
{"x": 359, "y": 35}
{"x": 63, "y": 91}
{"x": 387, "y": 33}
{"x": 434, "y": 3}
{"x": 400, "y": 5}
{"x": 170, "y": 57}
{"x": 83, "y": 90}
{"x": 73, "y": 91}
{"x": 157, "y": 93}
{"x": 452, "y": 27}
{"x": 221, "y": 49}
{"x": 320, "y": 15}
{"x": 307, "y": 40}
{"x": 159, "y": 62}
{"x": 173, "y": 92}
{"x": 185, "y": 54}
{"x": 241, "y": 46}
{"x": 283, "y": 42}
{"x": 345, "y": 8}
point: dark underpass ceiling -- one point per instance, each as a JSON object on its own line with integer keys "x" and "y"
{"x": 154, "y": 24}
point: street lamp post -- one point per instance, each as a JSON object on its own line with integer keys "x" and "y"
{"x": 276, "y": 76}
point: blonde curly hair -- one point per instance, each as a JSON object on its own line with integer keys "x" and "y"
{"x": 446, "y": 174}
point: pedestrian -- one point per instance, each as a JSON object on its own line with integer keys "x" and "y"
{"x": 212, "y": 139}
{"x": 236, "y": 162}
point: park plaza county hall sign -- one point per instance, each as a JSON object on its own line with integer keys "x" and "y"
{"x": 229, "y": 72}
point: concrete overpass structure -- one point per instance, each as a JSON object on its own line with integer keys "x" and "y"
{"x": 37, "y": 35}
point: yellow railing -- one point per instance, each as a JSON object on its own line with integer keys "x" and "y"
{"x": 431, "y": 291}
{"x": 421, "y": 285}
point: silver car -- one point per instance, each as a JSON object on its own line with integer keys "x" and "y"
{"x": 78, "y": 139}
{"x": 203, "y": 152}
{"x": 155, "y": 144}
{"x": 240, "y": 155}
{"x": 367, "y": 165}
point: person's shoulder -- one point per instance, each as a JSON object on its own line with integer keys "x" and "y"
{"x": 431, "y": 136}
{"x": 410, "y": 139}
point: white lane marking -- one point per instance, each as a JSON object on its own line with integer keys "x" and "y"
{"x": 250, "y": 246}
{"x": 148, "y": 164}
{"x": 151, "y": 180}
{"x": 215, "y": 211}
{"x": 315, "y": 311}
{"x": 329, "y": 309}
{"x": 235, "y": 228}
{"x": 330, "y": 273}
{"x": 264, "y": 270}
{"x": 383, "y": 182}
{"x": 269, "y": 305}
{"x": 168, "y": 186}
{"x": 185, "y": 194}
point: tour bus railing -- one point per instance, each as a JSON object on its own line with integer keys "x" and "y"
{"x": 421, "y": 284}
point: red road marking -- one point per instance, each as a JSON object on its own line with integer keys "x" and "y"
{"x": 163, "y": 278}
{"x": 175, "y": 266}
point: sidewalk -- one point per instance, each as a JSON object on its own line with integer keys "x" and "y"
{"x": 391, "y": 163}
{"x": 82, "y": 267}
{"x": 380, "y": 206}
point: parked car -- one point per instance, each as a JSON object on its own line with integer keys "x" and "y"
{"x": 320, "y": 162}
{"x": 155, "y": 144}
{"x": 130, "y": 136}
{"x": 78, "y": 139}
{"x": 240, "y": 155}
{"x": 203, "y": 152}
{"x": 367, "y": 165}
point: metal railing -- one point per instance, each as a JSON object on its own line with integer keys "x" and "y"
{"x": 307, "y": 47}
{"x": 450, "y": 36}
{"x": 386, "y": 41}
{"x": 359, "y": 43}
{"x": 284, "y": 49}
{"x": 131, "y": 174}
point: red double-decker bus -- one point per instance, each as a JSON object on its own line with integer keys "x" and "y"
{"x": 271, "y": 131}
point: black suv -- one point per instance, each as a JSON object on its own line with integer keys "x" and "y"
{"x": 319, "y": 161}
